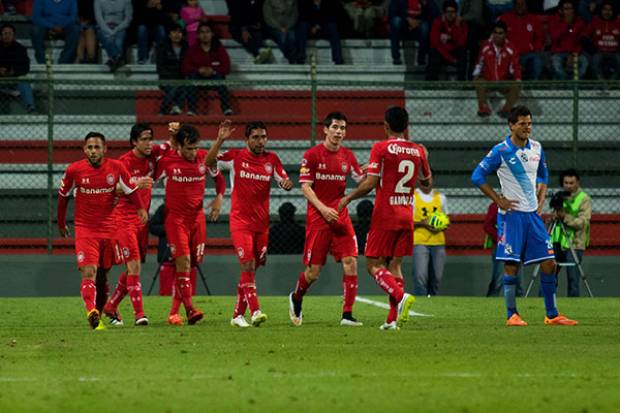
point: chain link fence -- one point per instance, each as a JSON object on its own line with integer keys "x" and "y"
{"x": 577, "y": 122}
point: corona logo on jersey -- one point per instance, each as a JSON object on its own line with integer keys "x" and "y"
{"x": 396, "y": 149}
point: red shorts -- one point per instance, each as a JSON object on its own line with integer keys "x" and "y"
{"x": 389, "y": 243}
{"x": 323, "y": 241}
{"x": 186, "y": 238}
{"x": 250, "y": 245}
{"x": 100, "y": 252}
{"x": 133, "y": 243}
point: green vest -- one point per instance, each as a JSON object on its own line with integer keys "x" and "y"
{"x": 571, "y": 207}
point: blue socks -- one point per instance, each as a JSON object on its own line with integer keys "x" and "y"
{"x": 510, "y": 294}
{"x": 547, "y": 285}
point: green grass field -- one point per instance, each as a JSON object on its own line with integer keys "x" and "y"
{"x": 462, "y": 359}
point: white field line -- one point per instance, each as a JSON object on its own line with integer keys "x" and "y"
{"x": 387, "y": 306}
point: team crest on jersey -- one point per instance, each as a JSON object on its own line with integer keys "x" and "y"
{"x": 529, "y": 27}
{"x": 125, "y": 252}
{"x": 304, "y": 162}
{"x": 81, "y": 256}
{"x": 202, "y": 169}
{"x": 109, "y": 179}
{"x": 240, "y": 252}
{"x": 268, "y": 168}
{"x": 344, "y": 167}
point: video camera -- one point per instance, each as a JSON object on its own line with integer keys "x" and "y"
{"x": 557, "y": 200}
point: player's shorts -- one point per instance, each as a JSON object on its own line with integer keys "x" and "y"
{"x": 250, "y": 246}
{"x": 100, "y": 252}
{"x": 389, "y": 243}
{"x": 321, "y": 242}
{"x": 522, "y": 237}
{"x": 133, "y": 242}
{"x": 186, "y": 237}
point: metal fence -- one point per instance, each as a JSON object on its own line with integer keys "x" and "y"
{"x": 577, "y": 122}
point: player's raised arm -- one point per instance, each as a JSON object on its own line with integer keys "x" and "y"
{"x": 67, "y": 183}
{"x": 224, "y": 132}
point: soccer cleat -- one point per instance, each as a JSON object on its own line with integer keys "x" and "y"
{"x": 100, "y": 326}
{"x": 239, "y": 321}
{"x": 142, "y": 321}
{"x": 560, "y": 320}
{"x": 258, "y": 318}
{"x": 389, "y": 326}
{"x": 403, "y": 309}
{"x": 294, "y": 310}
{"x": 113, "y": 315}
{"x": 175, "y": 320}
{"x": 93, "y": 318}
{"x": 350, "y": 321}
{"x": 194, "y": 316}
{"x": 515, "y": 320}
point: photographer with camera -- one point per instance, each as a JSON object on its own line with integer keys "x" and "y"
{"x": 573, "y": 208}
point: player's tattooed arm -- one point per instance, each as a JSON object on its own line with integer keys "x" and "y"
{"x": 365, "y": 187}
{"x": 224, "y": 132}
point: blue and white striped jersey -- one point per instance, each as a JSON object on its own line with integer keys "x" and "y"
{"x": 519, "y": 171}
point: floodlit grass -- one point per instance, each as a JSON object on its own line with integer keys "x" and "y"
{"x": 462, "y": 359}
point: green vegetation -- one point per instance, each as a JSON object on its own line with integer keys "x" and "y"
{"x": 462, "y": 359}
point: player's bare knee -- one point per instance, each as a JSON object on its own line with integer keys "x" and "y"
{"x": 548, "y": 267}
{"x": 349, "y": 265}
{"x": 312, "y": 273}
{"x": 183, "y": 263}
{"x": 133, "y": 267}
{"x": 248, "y": 266}
{"x": 511, "y": 268}
{"x": 89, "y": 272}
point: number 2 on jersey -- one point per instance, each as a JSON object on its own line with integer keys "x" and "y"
{"x": 408, "y": 167}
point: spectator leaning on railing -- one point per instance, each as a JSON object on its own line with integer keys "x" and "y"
{"x": 525, "y": 33}
{"x": 566, "y": 30}
{"x": 498, "y": 61}
{"x": 56, "y": 18}
{"x": 603, "y": 39}
{"x": 113, "y": 18}
{"x": 14, "y": 62}
{"x": 448, "y": 42}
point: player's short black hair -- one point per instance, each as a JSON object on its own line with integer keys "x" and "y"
{"x": 257, "y": 124}
{"x": 9, "y": 25}
{"x": 449, "y": 3}
{"x": 94, "y": 135}
{"x": 332, "y": 116}
{"x": 569, "y": 172}
{"x": 187, "y": 135}
{"x": 518, "y": 111}
{"x": 500, "y": 25}
{"x": 397, "y": 118}
{"x": 136, "y": 130}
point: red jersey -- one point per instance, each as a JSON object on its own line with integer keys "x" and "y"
{"x": 327, "y": 171}
{"x": 605, "y": 34}
{"x": 125, "y": 211}
{"x": 185, "y": 183}
{"x": 250, "y": 183}
{"x": 524, "y": 31}
{"x": 566, "y": 38}
{"x": 95, "y": 195}
{"x": 498, "y": 63}
{"x": 447, "y": 37}
{"x": 397, "y": 162}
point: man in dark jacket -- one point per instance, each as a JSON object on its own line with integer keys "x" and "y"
{"x": 14, "y": 62}
{"x": 318, "y": 17}
{"x": 170, "y": 55}
{"x": 247, "y": 27}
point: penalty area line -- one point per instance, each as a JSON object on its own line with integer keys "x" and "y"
{"x": 387, "y": 307}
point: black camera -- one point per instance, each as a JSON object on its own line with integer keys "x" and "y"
{"x": 557, "y": 200}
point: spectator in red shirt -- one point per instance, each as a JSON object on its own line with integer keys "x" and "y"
{"x": 604, "y": 37}
{"x": 566, "y": 30}
{"x": 498, "y": 61}
{"x": 448, "y": 42}
{"x": 526, "y": 35}
{"x": 207, "y": 60}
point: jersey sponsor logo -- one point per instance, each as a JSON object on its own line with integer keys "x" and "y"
{"x": 187, "y": 179}
{"x": 512, "y": 161}
{"x": 245, "y": 165}
{"x": 202, "y": 169}
{"x": 322, "y": 166}
{"x": 401, "y": 200}
{"x": 96, "y": 191}
{"x": 268, "y": 168}
{"x": 256, "y": 177}
{"x": 396, "y": 149}
{"x": 109, "y": 179}
{"x": 330, "y": 177}
{"x": 81, "y": 256}
{"x": 344, "y": 167}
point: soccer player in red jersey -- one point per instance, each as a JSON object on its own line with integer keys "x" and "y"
{"x": 185, "y": 172}
{"x": 133, "y": 236}
{"x": 393, "y": 169}
{"x": 251, "y": 171}
{"x": 323, "y": 178}
{"x": 94, "y": 180}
